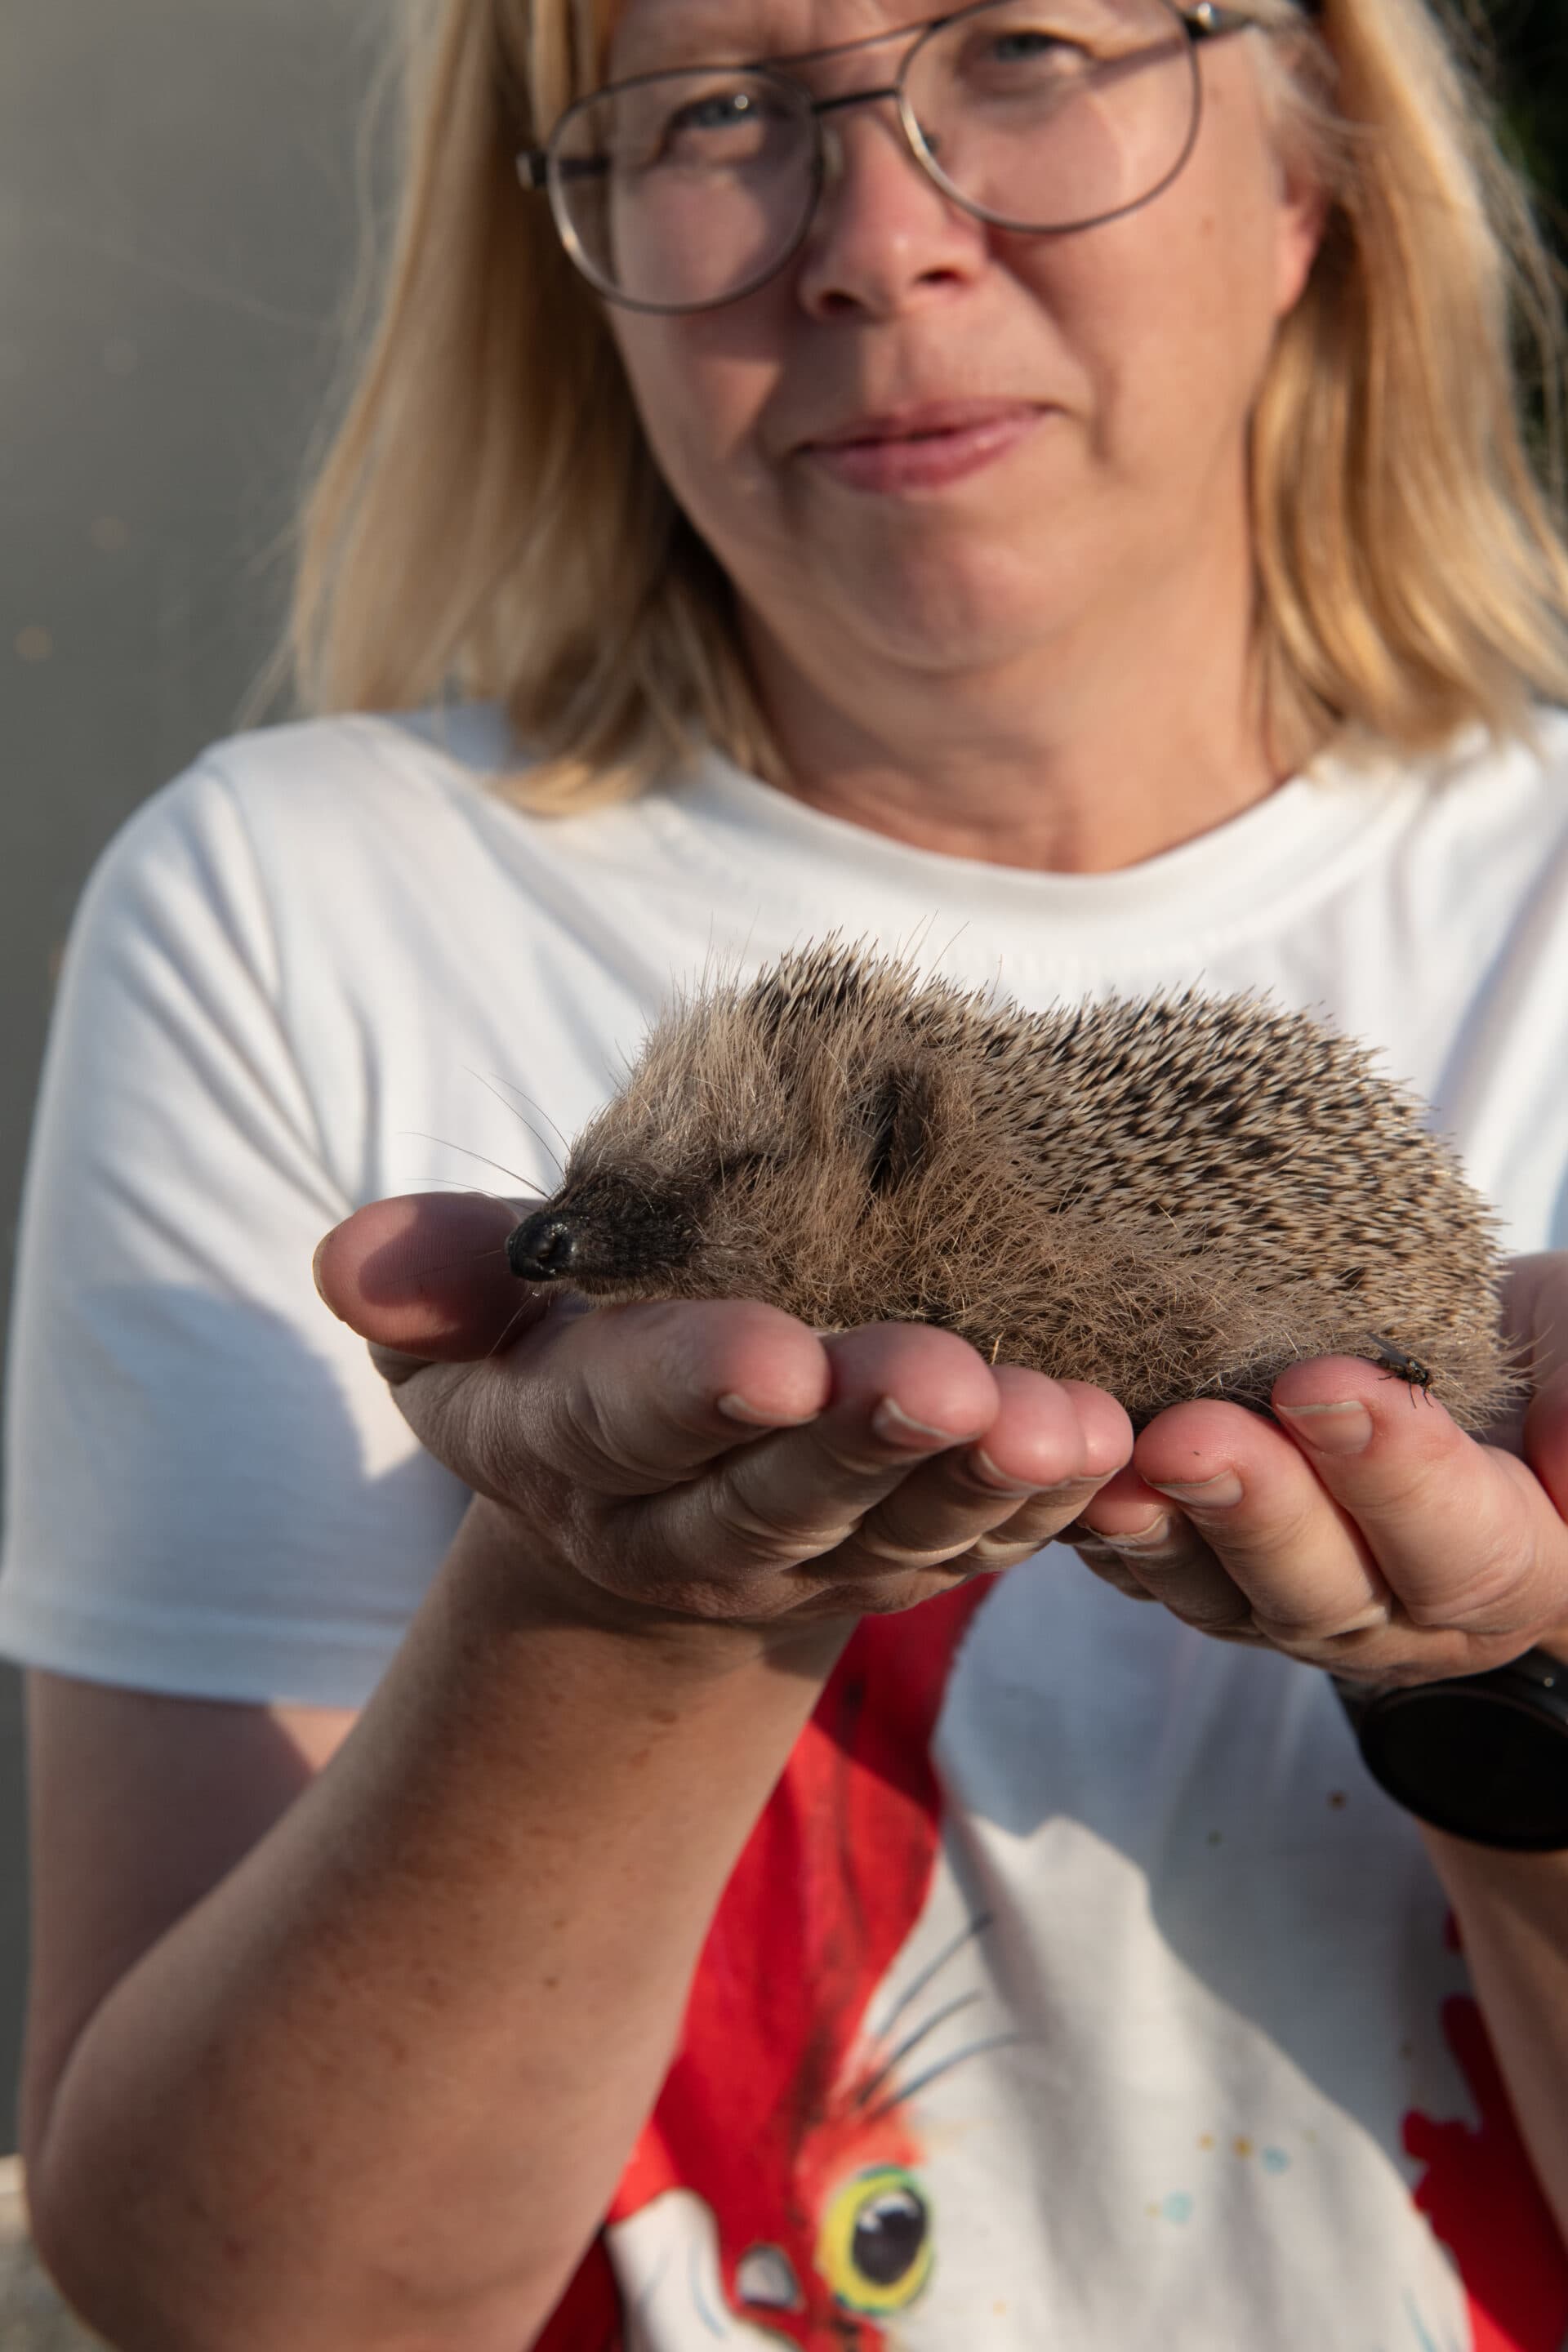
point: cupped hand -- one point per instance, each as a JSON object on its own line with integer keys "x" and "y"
{"x": 1359, "y": 1530}
{"x": 711, "y": 1461}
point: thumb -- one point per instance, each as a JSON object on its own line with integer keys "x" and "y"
{"x": 425, "y": 1279}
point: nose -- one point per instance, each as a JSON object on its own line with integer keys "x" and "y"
{"x": 544, "y": 1247}
{"x": 885, "y": 235}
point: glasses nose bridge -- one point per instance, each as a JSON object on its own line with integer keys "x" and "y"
{"x": 826, "y": 111}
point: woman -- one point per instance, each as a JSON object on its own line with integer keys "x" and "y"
{"x": 1044, "y": 481}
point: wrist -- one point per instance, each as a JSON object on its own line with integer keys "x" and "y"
{"x": 523, "y": 1584}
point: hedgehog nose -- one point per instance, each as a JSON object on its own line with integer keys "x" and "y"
{"x": 544, "y": 1247}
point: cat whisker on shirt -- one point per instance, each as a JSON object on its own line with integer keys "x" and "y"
{"x": 902, "y": 2096}
{"x": 874, "y": 2082}
{"x": 967, "y": 1935}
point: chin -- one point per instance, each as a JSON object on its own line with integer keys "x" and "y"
{"x": 952, "y": 616}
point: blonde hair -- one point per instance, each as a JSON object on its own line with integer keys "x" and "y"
{"x": 487, "y": 519}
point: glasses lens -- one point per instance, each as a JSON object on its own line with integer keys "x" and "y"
{"x": 683, "y": 189}
{"x": 1045, "y": 114}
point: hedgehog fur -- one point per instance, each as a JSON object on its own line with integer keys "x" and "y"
{"x": 1170, "y": 1198}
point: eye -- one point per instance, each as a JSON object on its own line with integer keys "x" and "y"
{"x": 897, "y": 1118}
{"x": 874, "y": 2249}
{"x": 1016, "y": 63}
{"x": 723, "y": 127}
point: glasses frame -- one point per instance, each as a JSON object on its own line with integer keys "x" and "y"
{"x": 546, "y": 170}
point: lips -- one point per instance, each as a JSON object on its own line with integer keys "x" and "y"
{"x": 921, "y": 421}
{"x": 924, "y": 447}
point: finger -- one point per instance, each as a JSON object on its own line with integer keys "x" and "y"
{"x": 498, "y": 1378}
{"x": 1535, "y": 1310}
{"x": 1466, "y": 1537}
{"x": 1050, "y": 1448}
{"x": 901, "y": 1394}
{"x": 1294, "y": 1557}
{"x": 1162, "y": 1555}
{"x": 1104, "y": 1561}
{"x": 424, "y": 1278}
{"x": 627, "y": 1400}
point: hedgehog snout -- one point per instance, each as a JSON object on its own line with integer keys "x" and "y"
{"x": 541, "y": 1249}
{"x": 604, "y": 1238}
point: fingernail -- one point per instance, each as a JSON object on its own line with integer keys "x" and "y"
{"x": 316, "y": 1273}
{"x": 737, "y": 1408}
{"x": 1344, "y": 1428}
{"x": 1148, "y": 1539}
{"x": 987, "y": 1474}
{"x": 899, "y": 1428}
{"x": 1217, "y": 1493}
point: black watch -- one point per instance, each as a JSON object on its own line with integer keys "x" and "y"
{"x": 1484, "y": 1756}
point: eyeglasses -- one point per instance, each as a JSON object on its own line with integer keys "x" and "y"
{"x": 680, "y": 191}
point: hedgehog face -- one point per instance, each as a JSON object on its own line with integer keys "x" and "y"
{"x": 685, "y": 1188}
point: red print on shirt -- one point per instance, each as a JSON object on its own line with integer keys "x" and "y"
{"x": 1482, "y": 2200}
{"x": 761, "y": 2115}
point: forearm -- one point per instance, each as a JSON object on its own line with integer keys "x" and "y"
{"x": 376, "y": 2091}
{"x": 1512, "y": 1911}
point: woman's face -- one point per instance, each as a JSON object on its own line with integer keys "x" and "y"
{"x": 1114, "y": 369}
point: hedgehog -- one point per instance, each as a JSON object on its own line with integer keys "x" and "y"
{"x": 1170, "y": 1197}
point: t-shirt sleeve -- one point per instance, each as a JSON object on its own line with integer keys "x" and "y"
{"x": 208, "y": 1490}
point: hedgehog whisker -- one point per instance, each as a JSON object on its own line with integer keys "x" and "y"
{"x": 512, "y": 1323}
{"x": 451, "y": 1184}
{"x": 549, "y": 1150}
{"x": 477, "y": 1258}
{"x": 492, "y": 1079}
{"x": 482, "y": 1157}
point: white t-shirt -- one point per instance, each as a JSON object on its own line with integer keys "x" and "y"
{"x": 1079, "y": 1990}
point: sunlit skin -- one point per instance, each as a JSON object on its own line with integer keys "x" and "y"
{"x": 1043, "y": 662}
{"x": 953, "y": 666}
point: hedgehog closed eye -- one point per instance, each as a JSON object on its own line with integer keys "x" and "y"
{"x": 1169, "y": 1197}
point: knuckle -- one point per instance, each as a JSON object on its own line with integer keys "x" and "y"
{"x": 1040, "y": 1523}
{"x": 1313, "y": 1631}
{"x": 840, "y": 1456}
{"x": 1209, "y": 1616}
{"x": 1001, "y": 1551}
{"x": 886, "y": 1549}
{"x": 1491, "y": 1591}
{"x": 770, "y": 1539}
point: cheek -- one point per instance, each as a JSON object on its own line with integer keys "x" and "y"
{"x": 701, "y": 392}
{"x": 1170, "y": 313}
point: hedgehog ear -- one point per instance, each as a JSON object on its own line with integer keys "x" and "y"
{"x": 900, "y": 1119}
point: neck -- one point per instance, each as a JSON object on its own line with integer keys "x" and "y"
{"x": 1122, "y": 736}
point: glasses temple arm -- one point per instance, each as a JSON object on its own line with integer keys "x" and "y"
{"x": 534, "y": 167}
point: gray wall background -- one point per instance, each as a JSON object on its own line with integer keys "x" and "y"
{"x": 179, "y": 206}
